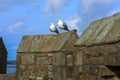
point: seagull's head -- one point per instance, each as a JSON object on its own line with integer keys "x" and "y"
{"x": 59, "y": 22}
{"x": 51, "y": 24}
{"x": 52, "y": 27}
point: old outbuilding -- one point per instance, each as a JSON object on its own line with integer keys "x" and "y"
{"x": 99, "y": 47}
{"x": 3, "y": 57}
{"x": 46, "y": 56}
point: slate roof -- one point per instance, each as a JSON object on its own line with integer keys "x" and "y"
{"x": 2, "y": 46}
{"x": 48, "y": 43}
{"x": 103, "y": 31}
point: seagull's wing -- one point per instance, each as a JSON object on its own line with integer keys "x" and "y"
{"x": 56, "y": 30}
{"x": 51, "y": 30}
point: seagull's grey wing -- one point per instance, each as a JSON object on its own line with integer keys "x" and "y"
{"x": 56, "y": 30}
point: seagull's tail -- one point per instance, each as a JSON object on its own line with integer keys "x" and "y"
{"x": 67, "y": 29}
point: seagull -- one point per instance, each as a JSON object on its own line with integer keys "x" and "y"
{"x": 62, "y": 25}
{"x": 53, "y": 28}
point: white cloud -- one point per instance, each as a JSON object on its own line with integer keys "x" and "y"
{"x": 53, "y": 7}
{"x": 73, "y": 22}
{"x": 14, "y": 47}
{"x": 87, "y": 4}
{"x": 6, "y": 4}
{"x": 91, "y": 4}
{"x": 106, "y": 1}
{"x": 114, "y": 11}
{"x": 14, "y": 28}
{"x": 33, "y": 29}
{"x": 91, "y": 10}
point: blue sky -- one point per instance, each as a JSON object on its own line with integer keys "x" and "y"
{"x": 33, "y": 17}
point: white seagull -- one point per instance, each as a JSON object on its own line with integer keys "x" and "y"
{"x": 53, "y": 28}
{"x": 62, "y": 25}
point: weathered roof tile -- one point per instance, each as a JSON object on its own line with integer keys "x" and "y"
{"x": 2, "y": 47}
{"x": 106, "y": 30}
{"x": 49, "y": 43}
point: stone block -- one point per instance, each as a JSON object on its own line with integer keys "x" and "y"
{"x": 39, "y": 78}
{"x": 41, "y": 54}
{"x": 42, "y": 60}
{"x": 90, "y": 69}
{"x": 33, "y": 70}
{"x": 97, "y": 51}
{"x": 41, "y": 70}
{"x": 32, "y": 77}
{"x": 50, "y": 74}
{"x": 50, "y": 60}
{"x": 50, "y": 67}
{"x": 69, "y": 71}
{"x": 101, "y": 60}
{"x": 112, "y": 48}
{"x": 79, "y": 58}
{"x": 27, "y": 59}
{"x": 118, "y": 60}
{"x": 87, "y": 77}
{"x": 18, "y": 58}
{"x": 93, "y": 69}
{"x": 59, "y": 59}
{"x": 59, "y": 73}
{"x": 85, "y": 69}
{"x": 70, "y": 79}
{"x": 110, "y": 60}
{"x": 92, "y": 61}
{"x": 87, "y": 50}
{"x": 105, "y": 71}
{"x": 23, "y": 67}
{"x": 7, "y": 77}
{"x": 77, "y": 70}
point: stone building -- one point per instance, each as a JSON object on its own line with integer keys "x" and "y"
{"x": 43, "y": 56}
{"x": 99, "y": 47}
{"x": 3, "y": 57}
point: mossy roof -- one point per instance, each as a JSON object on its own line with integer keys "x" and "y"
{"x": 49, "y": 43}
{"x": 103, "y": 31}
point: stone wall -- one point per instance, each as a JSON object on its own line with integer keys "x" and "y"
{"x": 101, "y": 61}
{"x": 32, "y": 66}
{"x": 67, "y": 65}
{"x": 88, "y": 63}
{"x": 7, "y": 77}
{"x": 56, "y": 65}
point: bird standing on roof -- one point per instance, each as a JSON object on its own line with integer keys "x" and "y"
{"x": 62, "y": 25}
{"x": 53, "y": 28}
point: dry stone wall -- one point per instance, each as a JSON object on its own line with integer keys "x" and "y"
{"x": 7, "y": 77}
{"x": 32, "y": 66}
{"x": 101, "y": 61}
